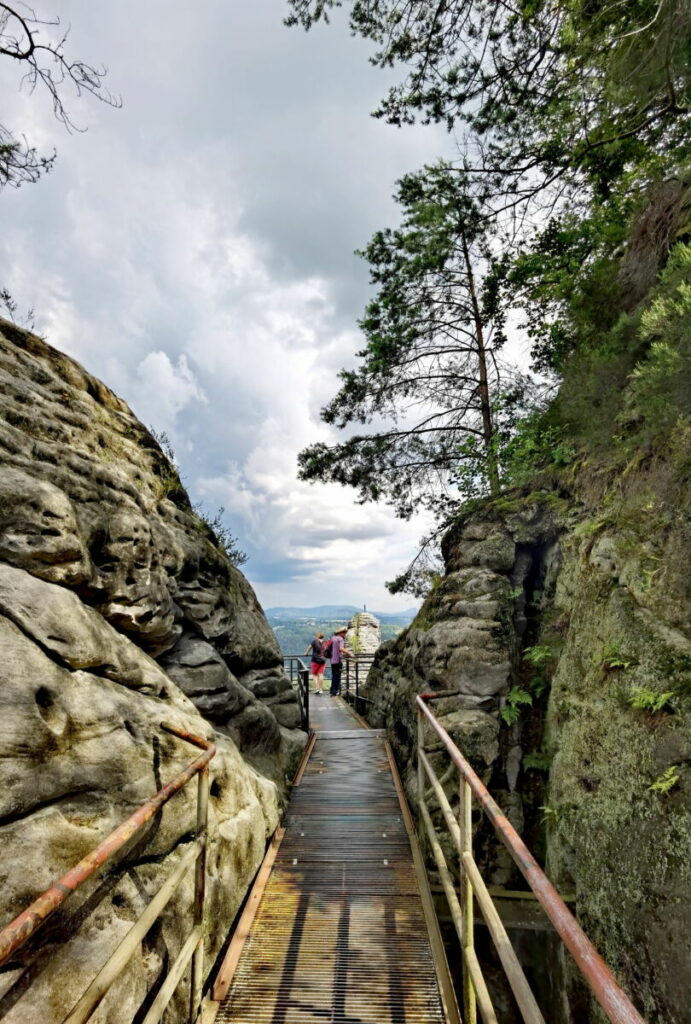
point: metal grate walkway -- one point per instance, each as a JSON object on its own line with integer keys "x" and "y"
{"x": 340, "y": 934}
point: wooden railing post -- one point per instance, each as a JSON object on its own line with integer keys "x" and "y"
{"x": 465, "y": 821}
{"x": 420, "y": 751}
{"x": 197, "y": 980}
{"x": 617, "y": 1006}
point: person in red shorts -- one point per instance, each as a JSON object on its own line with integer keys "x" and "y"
{"x": 317, "y": 663}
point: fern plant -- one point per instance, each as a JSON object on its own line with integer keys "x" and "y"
{"x": 668, "y": 780}
{"x": 651, "y": 700}
{"x": 538, "y": 655}
{"x": 516, "y": 697}
{"x": 613, "y": 658}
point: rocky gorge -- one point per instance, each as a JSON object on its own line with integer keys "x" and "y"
{"x": 119, "y": 611}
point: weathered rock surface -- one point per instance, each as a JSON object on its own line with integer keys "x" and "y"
{"x": 623, "y": 847}
{"x": 364, "y": 633}
{"x": 587, "y": 612}
{"x": 363, "y": 638}
{"x": 118, "y": 612}
{"x": 463, "y": 642}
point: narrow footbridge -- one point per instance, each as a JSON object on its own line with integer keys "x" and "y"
{"x": 342, "y": 932}
{"x": 339, "y": 927}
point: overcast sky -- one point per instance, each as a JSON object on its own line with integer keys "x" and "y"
{"x": 195, "y": 250}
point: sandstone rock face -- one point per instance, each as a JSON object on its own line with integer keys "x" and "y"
{"x": 624, "y": 848}
{"x": 118, "y": 612}
{"x": 364, "y": 638}
{"x": 587, "y": 612}
{"x": 364, "y": 633}
{"x": 464, "y": 641}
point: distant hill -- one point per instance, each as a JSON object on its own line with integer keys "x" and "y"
{"x": 295, "y": 627}
{"x": 331, "y": 612}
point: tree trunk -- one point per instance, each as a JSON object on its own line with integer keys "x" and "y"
{"x": 483, "y": 382}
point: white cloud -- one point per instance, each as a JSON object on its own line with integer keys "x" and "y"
{"x": 164, "y": 389}
{"x": 195, "y": 251}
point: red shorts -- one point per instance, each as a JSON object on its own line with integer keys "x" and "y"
{"x": 316, "y": 669}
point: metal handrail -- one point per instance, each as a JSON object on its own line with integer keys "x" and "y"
{"x": 355, "y": 661}
{"x": 299, "y": 675}
{"x": 14, "y": 935}
{"x": 613, "y": 1000}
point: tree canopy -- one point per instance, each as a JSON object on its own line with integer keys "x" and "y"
{"x": 431, "y": 373}
{"x": 46, "y": 66}
{"x": 547, "y": 94}
{"x": 569, "y": 118}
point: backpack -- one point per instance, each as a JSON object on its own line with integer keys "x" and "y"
{"x": 326, "y": 649}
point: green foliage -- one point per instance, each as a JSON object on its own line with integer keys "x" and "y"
{"x": 568, "y": 282}
{"x": 538, "y": 655}
{"x": 651, "y": 700}
{"x": 669, "y": 312}
{"x": 613, "y": 658}
{"x": 570, "y": 92}
{"x": 221, "y": 534}
{"x": 659, "y": 386}
{"x": 567, "y": 116}
{"x": 666, "y": 781}
{"x": 541, "y": 762}
{"x": 550, "y": 814}
{"x": 169, "y": 477}
{"x": 515, "y": 699}
{"x": 429, "y": 370}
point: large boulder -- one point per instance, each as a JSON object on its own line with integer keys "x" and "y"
{"x": 119, "y": 612}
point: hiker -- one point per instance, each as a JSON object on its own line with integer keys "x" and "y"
{"x": 338, "y": 652}
{"x": 317, "y": 663}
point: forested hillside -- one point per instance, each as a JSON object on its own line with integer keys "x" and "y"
{"x": 295, "y": 627}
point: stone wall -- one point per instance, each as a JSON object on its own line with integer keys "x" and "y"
{"x": 118, "y": 611}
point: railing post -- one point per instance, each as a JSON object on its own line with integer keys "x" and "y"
{"x": 307, "y": 701}
{"x": 357, "y": 685}
{"x": 420, "y": 769}
{"x": 303, "y": 689}
{"x": 466, "y": 846}
{"x": 197, "y": 980}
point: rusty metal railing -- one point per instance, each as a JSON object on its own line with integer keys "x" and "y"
{"x": 26, "y": 924}
{"x": 299, "y": 676}
{"x": 356, "y": 670}
{"x": 595, "y": 971}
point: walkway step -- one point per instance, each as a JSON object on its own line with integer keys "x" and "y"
{"x": 340, "y": 934}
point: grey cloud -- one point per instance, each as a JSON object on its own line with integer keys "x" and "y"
{"x": 235, "y": 132}
{"x": 318, "y": 536}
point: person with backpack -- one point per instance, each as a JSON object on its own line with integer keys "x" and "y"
{"x": 337, "y": 651}
{"x": 318, "y": 662}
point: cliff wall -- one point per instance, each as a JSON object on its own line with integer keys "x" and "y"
{"x": 587, "y": 619}
{"x": 118, "y": 611}
{"x": 561, "y": 630}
